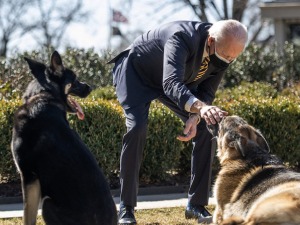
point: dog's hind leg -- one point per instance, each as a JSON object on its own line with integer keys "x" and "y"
{"x": 31, "y": 200}
{"x": 54, "y": 215}
{"x": 49, "y": 213}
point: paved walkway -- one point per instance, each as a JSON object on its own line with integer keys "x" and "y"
{"x": 144, "y": 202}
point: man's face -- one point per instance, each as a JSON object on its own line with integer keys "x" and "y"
{"x": 226, "y": 50}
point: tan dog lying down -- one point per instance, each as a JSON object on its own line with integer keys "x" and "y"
{"x": 253, "y": 187}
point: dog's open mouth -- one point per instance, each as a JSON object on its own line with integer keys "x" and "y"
{"x": 76, "y": 108}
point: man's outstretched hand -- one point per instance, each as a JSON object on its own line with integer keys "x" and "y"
{"x": 211, "y": 115}
{"x": 190, "y": 129}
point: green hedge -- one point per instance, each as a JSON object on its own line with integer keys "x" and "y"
{"x": 256, "y": 63}
{"x": 265, "y": 64}
{"x": 7, "y": 167}
{"x": 102, "y": 131}
{"x": 276, "y": 115}
{"x": 90, "y": 67}
{"x": 278, "y": 119}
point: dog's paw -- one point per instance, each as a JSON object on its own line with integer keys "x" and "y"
{"x": 233, "y": 221}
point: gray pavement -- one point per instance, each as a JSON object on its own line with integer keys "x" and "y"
{"x": 144, "y": 202}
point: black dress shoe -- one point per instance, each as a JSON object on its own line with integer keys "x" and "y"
{"x": 126, "y": 215}
{"x": 198, "y": 212}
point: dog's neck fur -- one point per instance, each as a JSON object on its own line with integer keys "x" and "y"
{"x": 42, "y": 101}
{"x": 230, "y": 174}
{"x": 233, "y": 170}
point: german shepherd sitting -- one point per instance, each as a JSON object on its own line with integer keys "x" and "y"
{"x": 56, "y": 167}
{"x": 253, "y": 187}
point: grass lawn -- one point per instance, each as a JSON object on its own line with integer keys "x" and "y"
{"x": 164, "y": 216}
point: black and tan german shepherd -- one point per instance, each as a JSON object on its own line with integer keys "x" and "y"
{"x": 57, "y": 169}
{"x": 253, "y": 187}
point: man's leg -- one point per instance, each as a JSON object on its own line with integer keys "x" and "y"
{"x": 132, "y": 151}
{"x": 130, "y": 160}
{"x": 202, "y": 156}
{"x": 135, "y": 97}
{"x": 201, "y": 163}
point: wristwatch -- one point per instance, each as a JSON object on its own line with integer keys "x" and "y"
{"x": 197, "y": 105}
{"x": 198, "y": 116}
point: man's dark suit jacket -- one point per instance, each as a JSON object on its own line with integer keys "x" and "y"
{"x": 168, "y": 59}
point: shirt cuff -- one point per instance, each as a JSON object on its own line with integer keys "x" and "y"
{"x": 189, "y": 103}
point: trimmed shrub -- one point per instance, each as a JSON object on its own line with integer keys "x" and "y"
{"x": 88, "y": 65}
{"x": 107, "y": 93}
{"x": 102, "y": 131}
{"x": 256, "y": 63}
{"x": 277, "y": 118}
{"x": 264, "y": 108}
{"x": 7, "y": 167}
{"x": 265, "y": 64}
{"x": 249, "y": 90}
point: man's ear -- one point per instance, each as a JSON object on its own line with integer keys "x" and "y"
{"x": 37, "y": 68}
{"x": 209, "y": 40}
{"x": 56, "y": 63}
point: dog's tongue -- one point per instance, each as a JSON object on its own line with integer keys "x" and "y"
{"x": 79, "y": 110}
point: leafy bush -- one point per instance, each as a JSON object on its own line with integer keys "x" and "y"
{"x": 265, "y": 64}
{"x": 248, "y": 89}
{"x": 102, "y": 130}
{"x": 7, "y": 167}
{"x": 277, "y": 118}
{"x": 107, "y": 93}
{"x": 275, "y": 114}
{"x": 88, "y": 65}
{"x": 292, "y": 92}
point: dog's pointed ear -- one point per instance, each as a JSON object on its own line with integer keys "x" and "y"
{"x": 261, "y": 141}
{"x": 56, "y": 63}
{"x": 37, "y": 68}
{"x": 256, "y": 136}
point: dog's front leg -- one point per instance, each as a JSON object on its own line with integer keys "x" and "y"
{"x": 218, "y": 215}
{"x": 31, "y": 200}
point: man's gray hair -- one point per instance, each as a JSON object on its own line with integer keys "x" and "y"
{"x": 229, "y": 28}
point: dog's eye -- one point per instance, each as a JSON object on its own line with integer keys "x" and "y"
{"x": 67, "y": 88}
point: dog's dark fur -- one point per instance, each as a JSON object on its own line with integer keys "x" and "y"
{"x": 56, "y": 167}
{"x": 253, "y": 187}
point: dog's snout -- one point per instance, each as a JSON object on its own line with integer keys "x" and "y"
{"x": 80, "y": 89}
{"x": 89, "y": 88}
{"x": 213, "y": 129}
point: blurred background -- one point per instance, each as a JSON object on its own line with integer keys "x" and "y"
{"x": 27, "y": 25}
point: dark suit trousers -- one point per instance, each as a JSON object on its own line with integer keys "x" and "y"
{"x": 135, "y": 98}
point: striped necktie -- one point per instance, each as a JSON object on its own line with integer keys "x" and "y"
{"x": 203, "y": 68}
